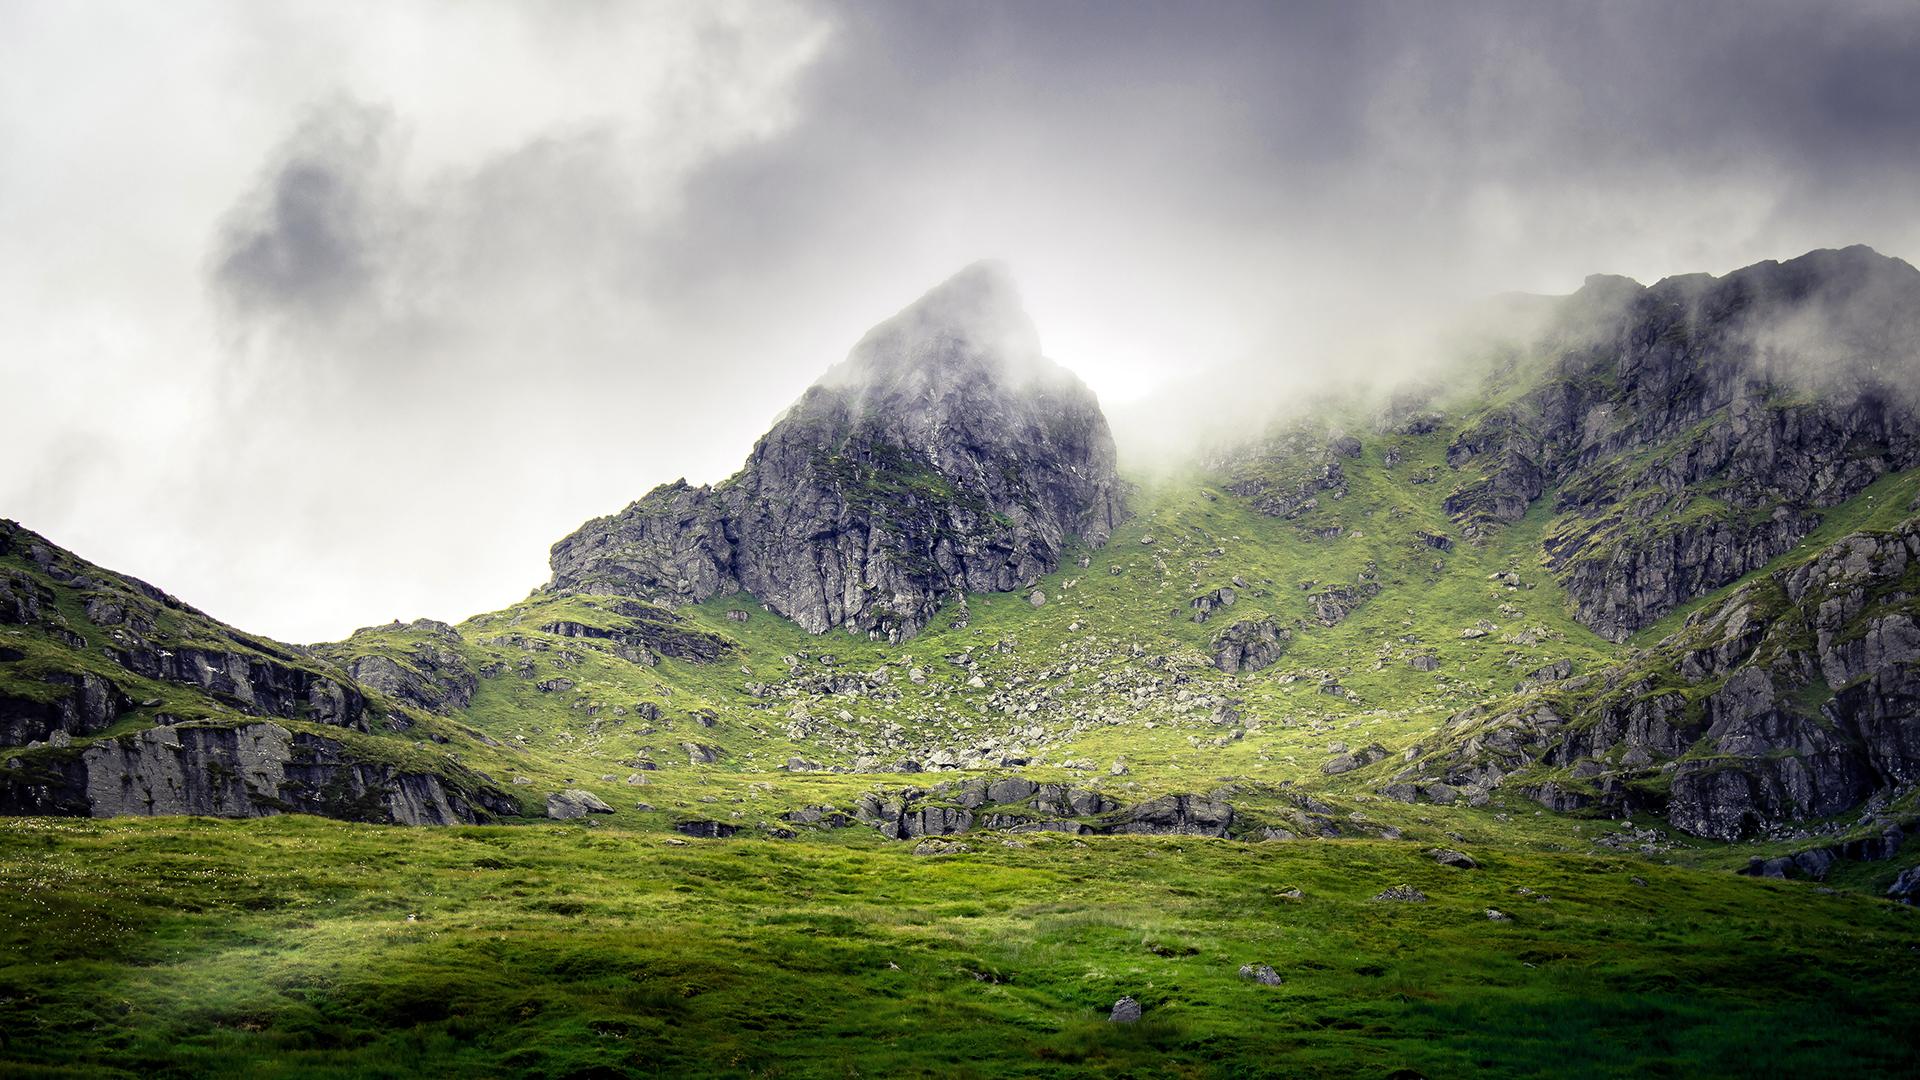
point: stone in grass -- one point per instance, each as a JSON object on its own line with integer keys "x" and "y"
{"x": 935, "y": 846}
{"x": 706, "y": 830}
{"x": 1405, "y": 894}
{"x": 573, "y": 803}
{"x": 1496, "y": 915}
{"x": 1260, "y": 973}
{"x": 1125, "y": 1011}
{"x": 1449, "y": 857}
{"x": 1906, "y": 888}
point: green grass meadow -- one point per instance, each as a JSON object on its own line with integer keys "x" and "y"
{"x": 305, "y": 947}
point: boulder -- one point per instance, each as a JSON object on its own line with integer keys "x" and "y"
{"x": 1185, "y": 815}
{"x": 574, "y": 803}
{"x": 709, "y": 830}
{"x": 1260, "y": 973}
{"x": 1249, "y": 645}
{"x": 1906, "y": 887}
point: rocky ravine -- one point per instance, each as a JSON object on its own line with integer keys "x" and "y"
{"x": 944, "y": 455}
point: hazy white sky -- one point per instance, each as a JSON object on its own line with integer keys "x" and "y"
{"x": 323, "y": 314}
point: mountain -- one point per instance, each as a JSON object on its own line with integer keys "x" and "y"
{"x": 1686, "y": 437}
{"x": 1648, "y": 557}
{"x": 944, "y": 456}
{"x": 1430, "y": 720}
{"x": 1691, "y": 431}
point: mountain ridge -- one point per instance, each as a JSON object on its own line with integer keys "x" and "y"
{"x": 1465, "y": 577}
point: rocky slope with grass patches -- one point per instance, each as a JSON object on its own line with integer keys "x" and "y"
{"x": 116, "y": 698}
{"x": 1694, "y": 430}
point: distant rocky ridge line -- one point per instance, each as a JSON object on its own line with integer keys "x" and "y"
{"x": 945, "y": 455}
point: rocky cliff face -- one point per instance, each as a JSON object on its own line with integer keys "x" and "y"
{"x": 1694, "y": 430}
{"x": 146, "y": 634}
{"x": 1688, "y": 435}
{"x": 248, "y": 770}
{"x": 116, "y": 699}
{"x": 427, "y": 671}
{"x": 1795, "y": 697}
{"x": 944, "y": 455}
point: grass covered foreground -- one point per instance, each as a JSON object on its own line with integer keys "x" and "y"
{"x": 305, "y": 947}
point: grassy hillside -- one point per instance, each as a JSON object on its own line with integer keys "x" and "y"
{"x": 304, "y": 947}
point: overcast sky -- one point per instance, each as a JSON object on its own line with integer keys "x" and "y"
{"x": 321, "y": 314}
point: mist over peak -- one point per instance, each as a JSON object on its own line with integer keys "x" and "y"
{"x": 973, "y": 326}
{"x": 1833, "y": 321}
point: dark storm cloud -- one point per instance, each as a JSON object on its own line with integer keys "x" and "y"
{"x": 1268, "y": 116}
{"x": 1300, "y": 170}
{"x": 305, "y": 243}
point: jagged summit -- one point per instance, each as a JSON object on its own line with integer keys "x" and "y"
{"x": 1822, "y": 270}
{"x": 971, "y": 328}
{"x": 977, "y": 312}
{"x": 943, "y": 455}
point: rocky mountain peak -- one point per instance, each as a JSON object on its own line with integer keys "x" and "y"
{"x": 975, "y": 315}
{"x": 967, "y": 341}
{"x": 943, "y": 455}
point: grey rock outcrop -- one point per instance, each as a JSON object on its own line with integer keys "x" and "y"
{"x": 75, "y": 703}
{"x": 944, "y": 455}
{"x": 1261, "y": 973}
{"x": 707, "y": 830}
{"x": 1016, "y": 804}
{"x": 641, "y": 633}
{"x": 1184, "y": 815}
{"x": 1357, "y": 759}
{"x": 1206, "y": 604}
{"x": 1286, "y": 476}
{"x": 1249, "y": 645}
{"x": 574, "y": 803}
{"x": 267, "y": 681}
{"x": 429, "y": 671}
{"x": 1776, "y": 387}
{"x": 1796, "y": 696}
{"x": 248, "y": 770}
{"x": 1906, "y": 887}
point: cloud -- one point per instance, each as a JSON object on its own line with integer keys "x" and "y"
{"x": 305, "y": 244}
{"x": 358, "y": 307}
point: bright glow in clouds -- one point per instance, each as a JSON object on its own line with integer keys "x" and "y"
{"x": 321, "y": 314}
